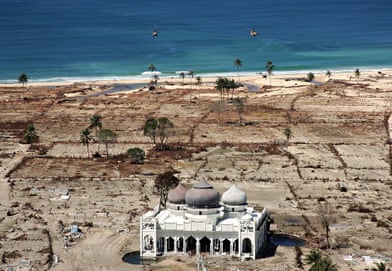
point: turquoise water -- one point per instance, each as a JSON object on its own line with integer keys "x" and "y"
{"x": 60, "y": 40}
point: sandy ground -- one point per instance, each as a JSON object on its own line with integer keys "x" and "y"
{"x": 340, "y": 135}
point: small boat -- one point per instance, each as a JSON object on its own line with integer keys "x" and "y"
{"x": 155, "y": 33}
{"x": 253, "y": 33}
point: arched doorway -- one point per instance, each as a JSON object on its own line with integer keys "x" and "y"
{"x": 246, "y": 245}
{"x": 170, "y": 244}
{"x": 148, "y": 242}
{"x": 226, "y": 246}
{"x": 216, "y": 245}
{"x": 235, "y": 246}
{"x": 205, "y": 244}
{"x": 180, "y": 244}
{"x": 160, "y": 244}
{"x": 190, "y": 245}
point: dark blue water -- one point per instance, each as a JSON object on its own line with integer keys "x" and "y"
{"x": 53, "y": 40}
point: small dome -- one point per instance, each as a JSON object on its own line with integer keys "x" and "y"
{"x": 202, "y": 195}
{"x": 234, "y": 196}
{"x": 177, "y": 195}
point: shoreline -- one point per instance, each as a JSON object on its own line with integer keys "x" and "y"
{"x": 253, "y": 77}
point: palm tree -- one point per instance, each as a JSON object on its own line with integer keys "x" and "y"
{"x": 30, "y": 134}
{"x": 182, "y": 75}
{"x": 380, "y": 267}
{"x": 107, "y": 136}
{"x": 310, "y": 77}
{"x": 198, "y": 80}
{"x": 85, "y": 139}
{"x": 269, "y": 67}
{"x": 220, "y": 86}
{"x": 287, "y": 132}
{"x": 151, "y": 68}
{"x": 313, "y": 257}
{"x": 239, "y": 104}
{"x": 328, "y": 74}
{"x": 96, "y": 123}
{"x": 357, "y": 73}
{"x": 238, "y": 64}
{"x": 324, "y": 264}
{"x": 23, "y": 79}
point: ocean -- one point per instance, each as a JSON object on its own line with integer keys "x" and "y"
{"x": 71, "y": 40}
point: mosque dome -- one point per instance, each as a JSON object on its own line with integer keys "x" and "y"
{"x": 177, "y": 195}
{"x": 234, "y": 196}
{"x": 202, "y": 195}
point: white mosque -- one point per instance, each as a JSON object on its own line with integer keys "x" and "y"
{"x": 199, "y": 222}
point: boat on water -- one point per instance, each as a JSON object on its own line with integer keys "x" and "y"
{"x": 253, "y": 33}
{"x": 155, "y": 33}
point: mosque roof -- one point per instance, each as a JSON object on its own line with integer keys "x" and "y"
{"x": 234, "y": 196}
{"x": 177, "y": 195}
{"x": 202, "y": 195}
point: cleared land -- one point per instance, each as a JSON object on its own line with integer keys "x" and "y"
{"x": 340, "y": 135}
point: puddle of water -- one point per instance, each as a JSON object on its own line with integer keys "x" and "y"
{"x": 286, "y": 241}
{"x": 134, "y": 258}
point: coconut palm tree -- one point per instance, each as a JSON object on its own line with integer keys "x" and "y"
{"x": 328, "y": 74}
{"x": 357, "y": 73}
{"x": 85, "y": 139}
{"x": 324, "y": 264}
{"x": 23, "y": 79}
{"x": 310, "y": 77}
{"x": 220, "y": 86}
{"x": 239, "y": 104}
{"x": 269, "y": 67}
{"x": 30, "y": 134}
{"x": 313, "y": 257}
{"x": 107, "y": 136}
{"x": 151, "y": 68}
{"x": 238, "y": 64}
{"x": 198, "y": 80}
{"x": 96, "y": 123}
{"x": 380, "y": 267}
{"x": 287, "y": 132}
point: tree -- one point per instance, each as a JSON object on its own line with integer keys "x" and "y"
{"x": 380, "y": 267}
{"x": 327, "y": 218}
{"x": 269, "y": 67}
{"x": 220, "y": 86}
{"x": 287, "y": 132}
{"x": 136, "y": 155}
{"x": 161, "y": 129}
{"x": 96, "y": 123}
{"x": 198, "y": 80}
{"x": 231, "y": 84}
{"x": 182, "y": 75}
{"x": 151, "y": 68}
{"x": 310, "y": 77}
{"x": 328, "y": 74}
{"x": 30, "y": 134}
{"x": 357, "y": 73}
{"x": 218, "y": 107}
{"x": 238, "y": 65}
{"x": 323, "y": 264}
{"x": 163, "y": 183}
{"x": 23, "y": 79}
{"x": 85, "y": 139}
{"x": 107, "y": 136}
{"x": 313, "y": 257}
{"x": 239, "y": 104}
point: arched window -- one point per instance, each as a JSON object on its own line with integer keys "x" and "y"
{"x": 148, "y": 242}
{"x": 246, "y": 245}
{"x": 170, "y": 244}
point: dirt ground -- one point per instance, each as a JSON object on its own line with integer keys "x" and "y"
{"x": 336, "y": 164}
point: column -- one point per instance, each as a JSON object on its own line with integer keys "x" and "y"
{"x": 164, "y": 246}
{"x": 197, "y": 246}
{"x": 221, "y": 246}
{"x": 212, "y": 246}
{"x": 183, "y": 244}
{"x": 175, "y": 244}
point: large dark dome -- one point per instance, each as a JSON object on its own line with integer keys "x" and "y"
{"x": 177, "y": 195}
{"x": 202, "y": 195}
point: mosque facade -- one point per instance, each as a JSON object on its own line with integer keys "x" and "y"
{"x": 199, "y": 221}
